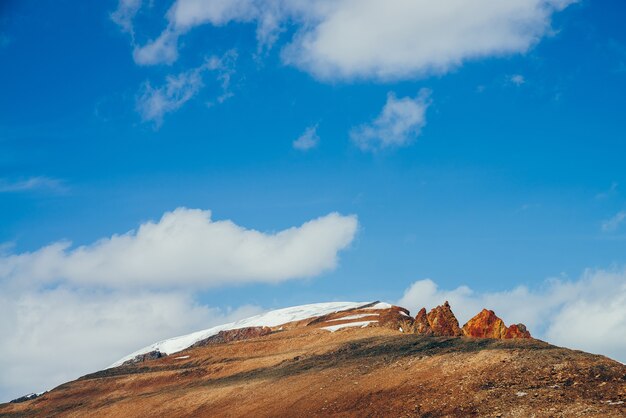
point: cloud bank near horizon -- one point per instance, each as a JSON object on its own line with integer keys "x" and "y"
{"x": 68, "y": 311}
{"x": 53, "y": 336}
{"x": 587, "y": 314}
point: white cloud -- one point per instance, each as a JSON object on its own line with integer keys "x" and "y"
{"x": 344, "y": 39}
{"x": 399, "y": 123}
{"x": 615, "y": 222}
{"x": 65, "y": 312}
{"x": 517, "y": 79}
{"x": 309, "y": 139}
{"x": 406, "y": 38}
{"x": 154, "y": 103}
{"x": 187, "y": 248}
{"x": 162, "y": 50}
{"x": 587, "y": 314}
{"x": 32, "y": 183}
{"x": 125, "y": 13}
{"x": 53, "y": 336}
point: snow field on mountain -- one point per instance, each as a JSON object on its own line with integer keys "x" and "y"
{"x": 268, "y": 319}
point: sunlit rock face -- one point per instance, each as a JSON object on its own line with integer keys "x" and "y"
{"x": 443, "y": 322}
{"x": 422, "y": 326}
{"x": 517, "y": 331}
{"x": 487, "y": 325}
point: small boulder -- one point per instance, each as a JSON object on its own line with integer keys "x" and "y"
{"x": 25, "y": 398}
{"x": 140, "y": 358}
{"x": 517, "y": 331}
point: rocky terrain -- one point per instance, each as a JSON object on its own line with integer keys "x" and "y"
{"x": 347, "y": 360}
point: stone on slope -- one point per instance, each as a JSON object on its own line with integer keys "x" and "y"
{"x": 152, "y": 355}
{"x": 517, "y": 331}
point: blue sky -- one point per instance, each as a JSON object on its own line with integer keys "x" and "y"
{"x": 513, "y": 173}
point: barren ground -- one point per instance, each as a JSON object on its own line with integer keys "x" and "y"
{"x": 352, "y": 372}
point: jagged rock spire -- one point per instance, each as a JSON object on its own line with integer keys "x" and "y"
{"x": 440, "y": 321}
{"x": 487, "y": 325}
{"x": 443, "y": 322}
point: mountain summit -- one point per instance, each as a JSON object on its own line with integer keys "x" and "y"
{"x": 440, "y": 321}
{"x": 346, "y": 359}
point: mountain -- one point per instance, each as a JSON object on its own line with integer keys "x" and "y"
{"x": 346, "y": 359}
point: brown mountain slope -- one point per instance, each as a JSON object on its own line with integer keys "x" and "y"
{"x": 372, "y": 371}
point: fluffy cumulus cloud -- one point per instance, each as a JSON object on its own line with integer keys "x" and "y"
{"x": 308, "y": 140}
{"x": 343, "y": 39}
{"x": 587, "y": 314}
{"x": 68, "y": 311}
{"x": 52, "y": 336}
{"x": 154, "y": 103}
{"x": 399, "y": 123}
{"x": 187, "y": 248}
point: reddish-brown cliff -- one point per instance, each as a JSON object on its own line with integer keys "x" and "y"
{"x": 238, "y": 334}
{"x": 421, "y": 324}
{"x": 443, "y": 322}
{"x": 487, "y": 325}
{"x": 517, "y": 331}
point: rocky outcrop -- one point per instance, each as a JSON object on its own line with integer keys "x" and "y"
{"x": 394, "y": 318}
{"x": 234, "y": 335}
{"x": 303, "y": 372}
{"x": 25, "y": 398}
{"x": 443, "y": 322}
{"x": 152, "y": 355}
{"x": 487, "y": 325}
{"x": 376, "y": 314}
{"x": 517, "y": 331}
{"x": 421, "y": 324}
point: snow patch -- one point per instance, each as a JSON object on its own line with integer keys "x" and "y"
{"x": 181, "y": 357}
{"x": 269, "y": 319}
{"x": 361, "y": 324}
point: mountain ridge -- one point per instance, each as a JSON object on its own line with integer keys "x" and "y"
{"x": 365, "y": 359}
{"x": 440, "y": 321}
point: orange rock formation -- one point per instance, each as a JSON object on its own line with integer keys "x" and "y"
{"x": 443, "y": 322}
{"x": 421, "y": 324}
{"x": 487, "y": 325}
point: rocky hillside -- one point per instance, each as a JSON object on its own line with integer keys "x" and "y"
{"x": 361, "y": 359}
